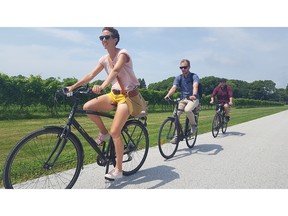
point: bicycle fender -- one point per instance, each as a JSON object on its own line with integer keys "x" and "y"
{"x": 171, "y": 118}
{"x": 135, "y": 121}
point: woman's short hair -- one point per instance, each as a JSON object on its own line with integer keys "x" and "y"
{"x": 115, "y": 33}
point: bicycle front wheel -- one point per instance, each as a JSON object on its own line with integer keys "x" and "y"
{"x": 44, "y": 160}
{"x": 224, "y": 126}
{"x": 136, "y": 146}
{"x": 168, "y": 138}
{"x": 216, "y": 124}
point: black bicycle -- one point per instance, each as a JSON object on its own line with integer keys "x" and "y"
{"x": 171, "y": 132}
{"x": 52, "y": 157}
{"x": 219, "y": 121}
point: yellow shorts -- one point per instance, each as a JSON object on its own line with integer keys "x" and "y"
{"x": 117, "y": 98}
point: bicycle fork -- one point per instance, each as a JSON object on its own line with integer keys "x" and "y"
{"x": 58, "y": 148}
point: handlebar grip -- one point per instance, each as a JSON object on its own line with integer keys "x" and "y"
{"x": 65, "y": 90}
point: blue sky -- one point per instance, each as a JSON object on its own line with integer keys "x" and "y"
{"x": 249, "y": 54}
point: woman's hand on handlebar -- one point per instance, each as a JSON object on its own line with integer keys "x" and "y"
{"x": 167, "y": 98}
{"x": 97, "y": 89}
{"x": 69, "y": 88}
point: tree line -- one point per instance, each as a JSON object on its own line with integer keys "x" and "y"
{"x": 20, "y": 93}
{"x": 257, "y": 90}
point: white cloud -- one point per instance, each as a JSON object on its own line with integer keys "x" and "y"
{"x": 210, "y": 39}
{"x": 66, "y": 35}
{"x": 47, "y": 61}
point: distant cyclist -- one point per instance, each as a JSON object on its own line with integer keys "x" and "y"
{"x": 224, "y": 95}
{"x": 188, "y": 83}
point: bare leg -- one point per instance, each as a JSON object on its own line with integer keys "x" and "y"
{"x": 227, "y": 109}
{"x": 102, "y": 103}
{"x": 120, "y": 119}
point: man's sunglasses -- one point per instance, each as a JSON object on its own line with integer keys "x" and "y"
{"x": 107, "y": 37}
{"x": 184, "y": 67}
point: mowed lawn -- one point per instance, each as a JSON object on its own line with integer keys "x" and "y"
{"x": 13, "y": 130}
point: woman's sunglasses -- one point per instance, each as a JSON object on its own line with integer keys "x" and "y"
{"x": 107, "y": 37}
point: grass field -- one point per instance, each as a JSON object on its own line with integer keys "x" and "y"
{"x": 12, "y": 131}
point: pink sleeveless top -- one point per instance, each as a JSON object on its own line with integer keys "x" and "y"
{"x": 126, "y": 75}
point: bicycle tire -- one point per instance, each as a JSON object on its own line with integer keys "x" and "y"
{"x": 25, "y": 167}
{"x": 216, "y": 124}
{"x": 224, "y": 127}
{"x": 136, "y": 146}
{"x": 189, "y": 137}
{"x": 167, "y": 132}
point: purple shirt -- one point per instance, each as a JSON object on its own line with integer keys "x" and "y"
{"x": 223, "y": 94}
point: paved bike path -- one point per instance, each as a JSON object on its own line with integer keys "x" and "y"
{"x": 251, "y": 155}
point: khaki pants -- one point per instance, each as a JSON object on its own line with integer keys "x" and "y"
{"x": 188, "y": 106}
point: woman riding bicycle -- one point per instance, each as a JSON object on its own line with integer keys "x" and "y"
{"x": 118, "y": 65}
{"x": 224, "y": 95}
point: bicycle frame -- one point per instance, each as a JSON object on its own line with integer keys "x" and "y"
{"x": 177, "y": 121}
{"x": 73, "y": 122}
{"x": 67, "y": 130}
{"x": 221, "y": 111}
{"x": 178, "y": 124}
{"x": 63, "y": 153}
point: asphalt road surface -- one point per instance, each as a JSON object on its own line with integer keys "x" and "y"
{"x": 252, "y": 155}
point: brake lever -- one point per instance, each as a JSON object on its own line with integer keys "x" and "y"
{"x": 167, "y": 99}
{"x": 66, "y": 92}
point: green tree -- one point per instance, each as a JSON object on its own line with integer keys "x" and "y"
{"x": 69, "y": 81}
{"x": 240, "y": 89}
{"x": 142, "y": 84}
{"x": 34, "y": 90}
{"x": 51, "y": 85}
{"x": 5, "y": 90}
{"x": 163, "y": 85}
{"x": 281, "y": 95}
{"x": 262, "y": 90}
{"x": 209, "y": 83}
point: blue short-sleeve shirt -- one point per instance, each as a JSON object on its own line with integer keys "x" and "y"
{"x": 186, "y": 84}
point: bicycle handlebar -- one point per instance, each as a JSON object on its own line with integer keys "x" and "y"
{"x": 72, "y": 95}
{"x": 220, "y": 104}
{"x": 81, "y": 90}
{"x": 168, "y": 99}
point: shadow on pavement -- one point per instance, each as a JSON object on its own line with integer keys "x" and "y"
{"x": 160, "y": 174}
{"x": 232, "y": 133}
{"x": 206, "y": 149}
{"x": 203, "y": 149}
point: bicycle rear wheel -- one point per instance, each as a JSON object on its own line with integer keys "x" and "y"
{"x": 28, "y": 165}
{"x": 189, "y": 137}
{"x": 136, "y": 146}
{"x": 167, "y": 133}
{"x": 216, "y": 124}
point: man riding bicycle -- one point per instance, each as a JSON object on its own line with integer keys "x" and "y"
{"x": 224, "y": 95}
{"x": 188, "y": 83}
